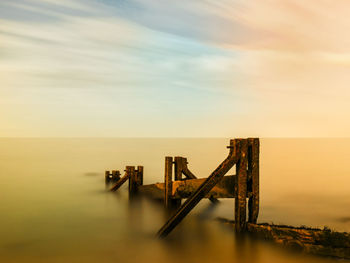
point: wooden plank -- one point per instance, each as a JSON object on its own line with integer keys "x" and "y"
{"x": 253, "y": 203}
{"x": 203, "y": 190}
{"x": 241, "y": 187}
{"x": 224, "y": 189}
{"x": 168, "y": 174}
{"x": 185, "y": 188}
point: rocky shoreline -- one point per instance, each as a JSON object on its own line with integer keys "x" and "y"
{"x": 322, "y": 242}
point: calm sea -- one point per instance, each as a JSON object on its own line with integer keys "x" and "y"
{"x": 54, "y": 207}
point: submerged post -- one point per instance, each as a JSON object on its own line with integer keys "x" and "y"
{"x": 241, "y": 187}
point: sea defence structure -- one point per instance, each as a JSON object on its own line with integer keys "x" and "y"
{"x": 180, "y": 183}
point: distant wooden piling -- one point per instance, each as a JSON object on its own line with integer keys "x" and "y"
{"x": 115, "y": 175}
{"x": 107, "y": 178}
{"x": 111, "y": 177}
{"x": 132, "y": 181}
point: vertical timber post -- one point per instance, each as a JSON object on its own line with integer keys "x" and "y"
{"x": 107, "y": 178}
{"x": 139, "y": 175}
{"x": 178, "y": 167}
{"x": 253, "y": 202}
{"x": 115, "y": 176}
{"x": 168, "y": 184}
{"x": 241, "y": 187}
{"x": 132, "y": 181}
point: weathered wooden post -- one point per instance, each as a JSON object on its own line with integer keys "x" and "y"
{"x": 107, "y": 178}
{"x": 115, "y": 176}
{"x": 241, "y": 186}
{"x": 130, "y": 170}
{"x": 253, "y": 172}
{"x": 168, "y": 184}
{"x": 178, "y": 167}
{"x": 139, "y": 175}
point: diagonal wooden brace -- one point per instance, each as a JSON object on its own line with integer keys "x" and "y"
{"x": 120, "y": 182}
{"x": 203, "y": 190}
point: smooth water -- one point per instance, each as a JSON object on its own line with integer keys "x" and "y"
{"x": 54, "y": 207}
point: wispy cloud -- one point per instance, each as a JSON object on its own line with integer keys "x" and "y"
{"x": 268, "y": 68}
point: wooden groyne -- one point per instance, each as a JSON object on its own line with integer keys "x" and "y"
{"x": 180, "y": 183}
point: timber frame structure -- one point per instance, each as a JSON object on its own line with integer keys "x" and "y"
{"x": 243, "y": 153}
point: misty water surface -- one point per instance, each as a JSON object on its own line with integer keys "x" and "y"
{"x": 54, "y": 207}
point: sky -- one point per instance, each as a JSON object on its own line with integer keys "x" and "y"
{"x": 186, "y": 68}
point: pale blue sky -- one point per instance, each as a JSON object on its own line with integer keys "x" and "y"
{"x": 167, "y": 68}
